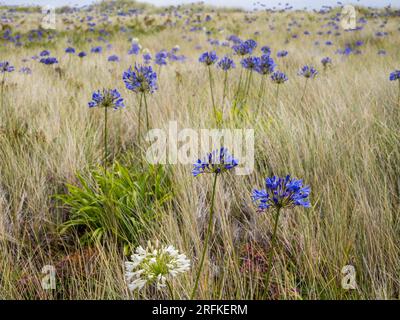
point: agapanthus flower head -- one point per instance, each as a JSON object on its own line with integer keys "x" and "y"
{"x": 141, "y": 79}
{"x": 161, "y": 58}
{"x": 96, "y": 49}
{"x": 252, "y": 44}
{"x": 266, "y": 65}
{"x": 250, "y": 63}
{"x": 135, "y": 49}
{"x": 326, "y": 61}
{"x": 282, "y": 54}
{"x": 45, "y": 53}
{"x": 82, "y": 54}
{"x": 395, "y": 75}
{"x": 107, "y": 98}
{"x": 242, "y": 49}
{"x": 282, "y": 193}
{"x": 49, "y": 60}
{"x": 6, "y": 67}
{"x": 208, "y": 58}
{"x": 226, "y": 63}
{"x": 308, "y": 72}
{"x": 279, "y": 77}
{"x": 147, "y": 57}
{"x": 217, "y": 162}
{"x": 266, "y": 50}
{"x": 113, "y": 58}
{"x": 70, "y": 50}
{"x": 154, "y": 265}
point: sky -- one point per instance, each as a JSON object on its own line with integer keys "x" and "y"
{"x": 248, "y": 4}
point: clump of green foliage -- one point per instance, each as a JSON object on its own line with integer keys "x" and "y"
{"x": 120, "y": 204}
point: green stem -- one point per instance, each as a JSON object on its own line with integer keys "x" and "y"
{"x": 212, "y": 92}
{"x": 239, "y": 84}
{"x": 3, "y": 81}
{"x": 139, "y": 117}
{"x": 105, "y": 141}
{"x": 147, "y": 113}
{"x": 271, "y": 250}
{"x": 208, "y": 234}
{"x": 277, "y": 96}
{"x": 398, "y": 98}
{"x": 260, "y": 95}
{"x": 225, "y": 87}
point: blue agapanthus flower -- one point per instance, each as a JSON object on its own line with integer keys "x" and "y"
{"x": 49, "y": 60}
{"x": 147, "y": 58}
{"x": 140, "y": 79}
{"x": 208, "y": 58}
{"x": 82, "y": 54}
{"x": 326, "y": 61}
{"x": 395, "y": 75}
{"x": 282, "y": 53}
{"x": 266, "y": 65}
{"x": 279, "y": 77}
{"x": 161, "y": 58}
{"x": 252, "y": 44}
{"x": 308, "y": 72}
{"x": 6, "y": 67}
{"x": 96, "y": 49}
{"x": 266, "y": 50}
{"x": 250, "y": 63}
{"x": 113, "y": 58}
{"x": 70, "y": 50}
{"x": 217, "y": 162}
{"x": 282, "y": 193}
{"x": 45, "y": 53}
{"x": 135, "y": 49}
{"x": 107, "y": 98}
{"x": 242, "y": 49}
{"x": 226, "y": 63}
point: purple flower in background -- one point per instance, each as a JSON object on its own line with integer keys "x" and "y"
{"x": 49, "y": 60}
{"x": 70, "y": 50}
{"x": 282, "y": 54}
{"x": 113, "y": 58}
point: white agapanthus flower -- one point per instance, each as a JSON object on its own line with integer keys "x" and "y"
{"x": 154, "y": 266}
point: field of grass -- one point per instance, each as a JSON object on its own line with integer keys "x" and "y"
{"x": 59, "y": 208}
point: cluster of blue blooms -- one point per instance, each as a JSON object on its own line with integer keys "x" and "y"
{"x": 141, "y": 79}
{"x": 6, "y": 67}
{"x": 395, "y": 75}
{"x": 108, "y": 98}
{"x": 282, "y": 193}
{"x": 217, "y": 162}
{"x": 208, "y": 58}
{"x": 226, "y": 63}
{"x": 308, "y": 72}
{"x": 279, "y": 77}
{"x": 49, "y": 60}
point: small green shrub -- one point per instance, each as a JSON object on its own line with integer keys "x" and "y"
{"x": 121, "y": 203}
